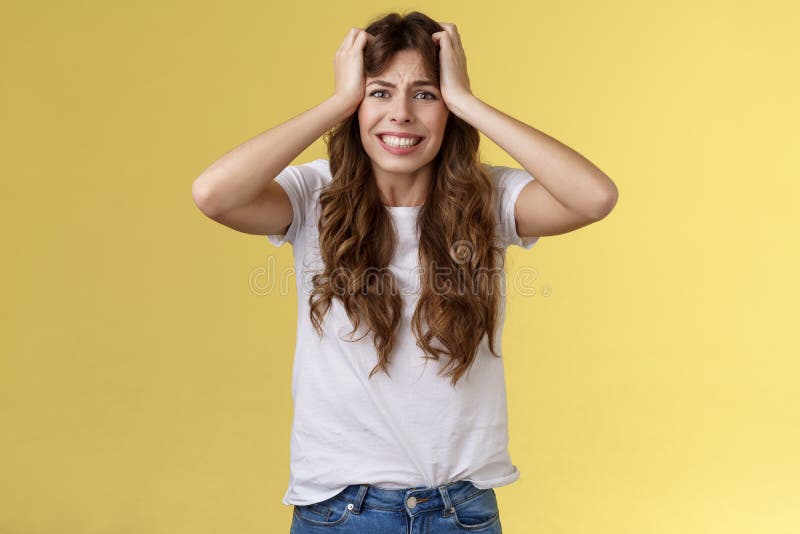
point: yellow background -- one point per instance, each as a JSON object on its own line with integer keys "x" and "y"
{"x": 654, "y": 383}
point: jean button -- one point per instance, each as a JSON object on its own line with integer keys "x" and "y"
{"x": 411, "y": 502}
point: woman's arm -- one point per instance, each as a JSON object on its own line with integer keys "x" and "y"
{"x": 240, "y": 177}
{"x": 568, "y": 191}
{"x": 570, "y": 178}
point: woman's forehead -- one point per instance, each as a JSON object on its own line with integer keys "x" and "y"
{"x": 404, "y": 62}
{"x": 409, "y": 81}
{"x": 412, "y": 77}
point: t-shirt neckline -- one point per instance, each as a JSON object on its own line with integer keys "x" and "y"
{"x": 403, "y": 209}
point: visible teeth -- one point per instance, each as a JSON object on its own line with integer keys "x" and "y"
{"x": 400, "y": 141}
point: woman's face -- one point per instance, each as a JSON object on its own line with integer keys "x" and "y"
{"x": 404, "y": 108}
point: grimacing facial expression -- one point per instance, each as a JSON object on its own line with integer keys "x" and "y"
{"x": 401, "y": 99}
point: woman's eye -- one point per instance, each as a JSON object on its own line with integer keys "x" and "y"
{"x": 429, "y": 95}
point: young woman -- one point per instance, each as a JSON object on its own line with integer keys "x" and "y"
{"x": 399, "y": 240}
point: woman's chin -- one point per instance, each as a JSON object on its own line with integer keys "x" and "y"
{"x": 400, "y": 165}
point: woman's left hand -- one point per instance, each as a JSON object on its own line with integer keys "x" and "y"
{"x": 453, "y": 79}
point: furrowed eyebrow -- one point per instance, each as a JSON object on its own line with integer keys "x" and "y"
{"x": 415, "y": 83}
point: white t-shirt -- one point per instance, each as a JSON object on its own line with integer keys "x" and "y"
{"x": 413, "y": 429}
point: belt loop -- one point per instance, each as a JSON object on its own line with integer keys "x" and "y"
{"x": 359, "y": 498}
{"x": 448, "y": 505}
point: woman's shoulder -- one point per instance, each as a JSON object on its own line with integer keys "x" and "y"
{"x": 304, "y": 181}
{"x": 508, "y": 183}
{"x": 505, "y": 176}
{"x": 318, "y": 169}
{"x": 307, "y": 178}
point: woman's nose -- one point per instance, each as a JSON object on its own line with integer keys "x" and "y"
{"x": 401, "y": 110}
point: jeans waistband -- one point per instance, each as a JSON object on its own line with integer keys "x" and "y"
{"x": 413, "y": 500}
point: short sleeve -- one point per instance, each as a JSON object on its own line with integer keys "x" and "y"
{"x": 509, "y": 183}
{"x": 300, "y": 182}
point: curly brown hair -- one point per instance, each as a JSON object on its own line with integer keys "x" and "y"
{"x": 460, "y": 259}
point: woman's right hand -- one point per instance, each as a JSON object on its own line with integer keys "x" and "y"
{"x": 349, "y": 68}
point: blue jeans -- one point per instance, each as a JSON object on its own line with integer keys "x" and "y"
{"x": 362, "y": 508}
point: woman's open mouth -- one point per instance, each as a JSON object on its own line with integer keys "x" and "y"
{"x": 400, "y": 145}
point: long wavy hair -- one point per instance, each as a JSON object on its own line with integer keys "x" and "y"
{"x": 459, "y": 257}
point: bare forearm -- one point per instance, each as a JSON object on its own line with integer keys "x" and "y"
{"x": 239, "y": 176}
{"x": 572, "y": 179}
